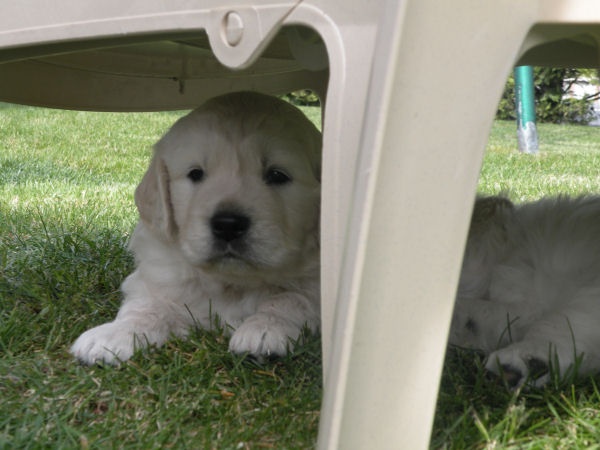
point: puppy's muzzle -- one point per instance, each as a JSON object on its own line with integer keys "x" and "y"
{"x": 228, "y": 226}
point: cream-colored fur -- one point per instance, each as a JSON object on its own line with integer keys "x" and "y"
{"x": 529, "y": 293}
{"x": 228, "y": 231}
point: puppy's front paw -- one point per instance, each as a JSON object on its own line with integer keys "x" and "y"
{"x": 110, "y": 343}
{"x": 264, "y": 335}
{"x": 517, "y": 365}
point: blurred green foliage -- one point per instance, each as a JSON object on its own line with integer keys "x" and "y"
{"x": 303, "y": 97}
{"x": 552, "y": 103}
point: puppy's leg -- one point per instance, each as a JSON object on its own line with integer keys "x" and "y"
{"x": 278, "y": 322}
{"x": 561, "y": 340}
{"x": 141, "y": 321}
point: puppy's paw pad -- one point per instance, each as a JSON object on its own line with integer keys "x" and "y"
{"x": 262, "y": 336}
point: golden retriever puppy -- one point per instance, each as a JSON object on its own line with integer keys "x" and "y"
{"x": 529, "y": 292}
{"x": 228, "y": 231}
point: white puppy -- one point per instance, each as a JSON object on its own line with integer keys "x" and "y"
{"x": 529, "y": 293}
{"x": 228, "y": 231}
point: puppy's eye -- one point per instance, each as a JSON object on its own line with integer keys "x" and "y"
{"x": 196, "y": 175}
{"x": 276, "y": 176}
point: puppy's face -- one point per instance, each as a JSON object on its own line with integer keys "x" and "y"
{"x": 235, "y": 184}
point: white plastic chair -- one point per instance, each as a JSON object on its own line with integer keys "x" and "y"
{"x": 412, "y": 87}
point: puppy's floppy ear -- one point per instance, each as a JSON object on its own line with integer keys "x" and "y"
{"x": 153, "y": 200}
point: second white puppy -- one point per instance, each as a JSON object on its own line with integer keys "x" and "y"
{"x": 228, "y": 231}
{"x": 529, "y": 293}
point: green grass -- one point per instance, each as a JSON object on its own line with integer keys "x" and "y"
{"x": 66, "y": 211}
{"x": 568, "y": 161}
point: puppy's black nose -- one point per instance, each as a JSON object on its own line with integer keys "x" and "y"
{"x": 228, "y": 226}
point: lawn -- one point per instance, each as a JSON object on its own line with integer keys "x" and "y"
{"x": 66, "y": 211}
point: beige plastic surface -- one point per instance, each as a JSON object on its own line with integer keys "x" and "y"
{"x": 412, "y": 89}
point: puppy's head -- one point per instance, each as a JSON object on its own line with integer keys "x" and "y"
{"x": 235, "y": 185}
{"x": 486, "y": 243}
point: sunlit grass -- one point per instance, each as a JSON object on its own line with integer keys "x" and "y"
{"x": 567, "y": 162}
